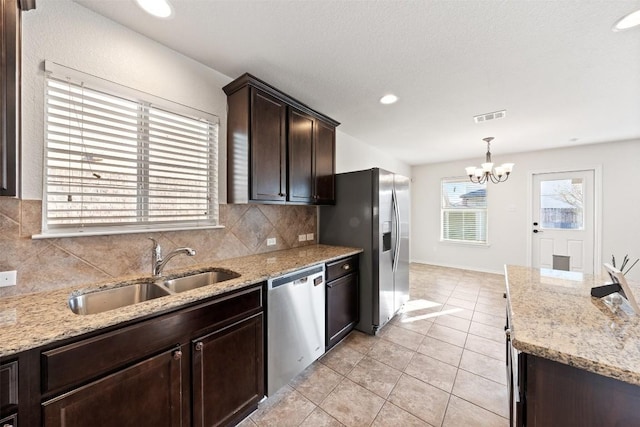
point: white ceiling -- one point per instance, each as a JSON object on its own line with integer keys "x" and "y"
{"x": 557, "y": 68}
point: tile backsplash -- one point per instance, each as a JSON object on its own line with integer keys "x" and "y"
{"x": 56, "y": 263}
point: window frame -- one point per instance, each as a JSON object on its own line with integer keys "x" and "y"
{"x": 144, "y": 100}
{"x": 443, "y": 210}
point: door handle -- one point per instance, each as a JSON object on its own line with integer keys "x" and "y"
{"x": 537, "y": 231}
{"x": 396, "y": 213}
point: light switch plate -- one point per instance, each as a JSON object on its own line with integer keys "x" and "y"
{"x": 8, "y": 278}
{"x": 309, "y": 236}
{"x": 271, "y": 241}
{"x": 302, "y": 237}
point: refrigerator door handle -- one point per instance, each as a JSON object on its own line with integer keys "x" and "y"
{"x": 396, "y": 214}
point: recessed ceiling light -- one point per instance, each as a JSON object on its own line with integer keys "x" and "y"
{"x": 628, "y": 21}
{"x": 388, "y": 99}
{"x": 157, "y": 8}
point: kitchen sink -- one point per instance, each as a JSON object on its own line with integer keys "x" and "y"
{"x": 194, "y": 281}
{"x": 109, "y": 299}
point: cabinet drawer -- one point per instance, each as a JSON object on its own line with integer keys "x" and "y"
{"x": 8, "y": 387}
{"x": 82, "y": 361}
{"x": 341, "y": 267}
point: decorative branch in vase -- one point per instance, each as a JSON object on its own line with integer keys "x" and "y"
{"x": 625, "y": 261}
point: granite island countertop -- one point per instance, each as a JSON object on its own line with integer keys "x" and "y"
{"x": 553, "y": 316}
{"x": 32, "y": 320}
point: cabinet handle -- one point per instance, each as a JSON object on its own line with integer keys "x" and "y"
{"x": 199, "y": 346}
{"x": 507, "y": 332}
{"x": 177, "y": 355}
{"x": 346, "y": 267}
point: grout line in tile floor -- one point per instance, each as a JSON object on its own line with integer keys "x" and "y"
{"x": 398, "y": 377}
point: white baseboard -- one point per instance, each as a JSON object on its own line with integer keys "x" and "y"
{"x": 461, "y": 267}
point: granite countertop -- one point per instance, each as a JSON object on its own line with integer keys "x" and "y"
{"x": 553, "y": 316}
{"x": 33, "y": 320}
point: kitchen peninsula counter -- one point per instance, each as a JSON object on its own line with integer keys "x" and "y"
{"x": 572, "y": 360}
{"x": 33, "y": 320}
{"x": 553, "y": 316}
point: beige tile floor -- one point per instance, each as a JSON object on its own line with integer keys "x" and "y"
{"x": 438, "y": 363}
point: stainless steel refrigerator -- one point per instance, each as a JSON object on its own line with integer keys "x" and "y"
{"x": 372, "y": 212}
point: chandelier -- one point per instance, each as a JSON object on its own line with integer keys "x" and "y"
{"x": 487, "y": 172}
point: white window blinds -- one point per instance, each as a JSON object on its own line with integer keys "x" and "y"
{"x": 125, "y": 163}
{"x": 464, "y": 211}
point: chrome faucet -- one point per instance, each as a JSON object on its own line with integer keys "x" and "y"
{"x": 158, "y": 263}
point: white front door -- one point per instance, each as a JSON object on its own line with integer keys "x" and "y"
{"x": 563, "y": 221}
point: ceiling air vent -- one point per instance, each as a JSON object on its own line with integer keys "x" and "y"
{"x": 490, "y": 116}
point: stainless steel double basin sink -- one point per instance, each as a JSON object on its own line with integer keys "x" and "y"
{"x": 122, "y": 296}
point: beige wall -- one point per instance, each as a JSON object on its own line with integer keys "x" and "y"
{"x": 66, "y": 33}
{"x": 508, "y": 205}
{"x": 56, "y": 263}
{"x": 95, "y": 45}
{"x": 353, "y": 155}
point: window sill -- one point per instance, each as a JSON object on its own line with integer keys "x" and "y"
{"x": 106, "y": 232}
{"x": 462, "y": 243}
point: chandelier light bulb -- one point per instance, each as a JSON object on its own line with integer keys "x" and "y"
{"x": 487, "y": 172}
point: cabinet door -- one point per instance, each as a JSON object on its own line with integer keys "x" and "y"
{"x": 342, "y": 307}
{"x": 145, "y": 394}
{"x": 228, "y": 373}
{"x": 301, "y": 134}
{"x": 324, "y": 163}
{"x": 8, "y": 388}
{"x": 10, "y": 52}
{"x": 268, "y": 147}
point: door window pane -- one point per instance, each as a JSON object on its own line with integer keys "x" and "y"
{"x": 561, "y": 204}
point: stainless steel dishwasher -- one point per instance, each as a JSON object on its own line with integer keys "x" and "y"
{"x": 295, "y": 324}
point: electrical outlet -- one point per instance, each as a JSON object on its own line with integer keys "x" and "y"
{"x": 8, "y": 278}
{"x": 302, "y": 237}
{"x": 309, "y": 236}
{"x": 271, "y": 241}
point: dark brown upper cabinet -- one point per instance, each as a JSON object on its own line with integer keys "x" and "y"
{"x": 278, "y": 149}
{"x": 268, "y": 148}
{"x": 10, "y": 72}
{"x": 9, "y": 96}
{"x": 324, "y": 164}
{"x": 301, "y": 134}
{"x": 311, "y": 159}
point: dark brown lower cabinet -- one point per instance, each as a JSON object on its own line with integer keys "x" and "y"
{"x": 341, "y": 299}
{"x": 8, "y": 389}
{"x": 228, "y": 373}
{"x": 201, "y": 365}
{"x": 342, "y": 307}
{"x": 145, "y": 394}
{"x": 560, "y": 395}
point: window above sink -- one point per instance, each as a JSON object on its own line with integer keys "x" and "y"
{"x": 119, "y": 160}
